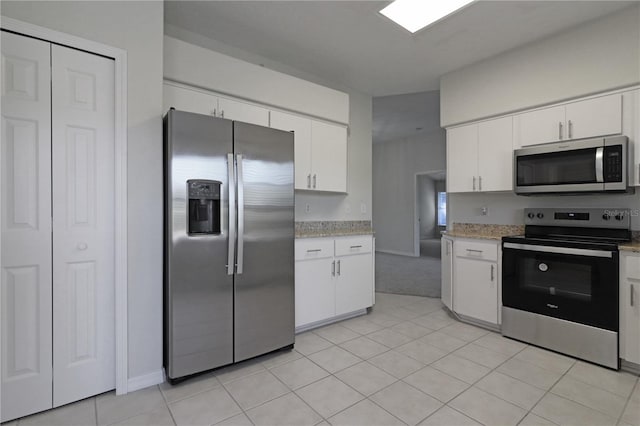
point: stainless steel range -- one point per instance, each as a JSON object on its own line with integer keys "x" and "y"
{"x": 560, "y": 281}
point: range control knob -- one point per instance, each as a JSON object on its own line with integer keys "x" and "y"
{"x": 540, "y": 215}
{"x": 619, "y": 217}
{"x": 606, "y": 216}
{"x": 530, "y": 215}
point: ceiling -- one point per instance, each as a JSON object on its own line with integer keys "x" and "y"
{"x": 350, "y": 44}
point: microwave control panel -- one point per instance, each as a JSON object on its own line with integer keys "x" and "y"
{"x": 613, "y": 167}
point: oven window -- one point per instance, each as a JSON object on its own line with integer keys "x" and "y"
{"x": 557, "y": 168}
{"x": 556, "y": 278}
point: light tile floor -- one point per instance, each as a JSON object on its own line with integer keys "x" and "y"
{"x": 407, "y": 362}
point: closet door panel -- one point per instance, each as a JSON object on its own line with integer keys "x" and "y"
{"x": 25, "y": 167}
{"x": 83, "y": 224}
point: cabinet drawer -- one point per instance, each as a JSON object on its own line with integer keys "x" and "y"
{"x": 314, "y": 248}
{"x": 476, "y": 250}
{"x": 632, "y": 267}
{"x": 353, "y": 245}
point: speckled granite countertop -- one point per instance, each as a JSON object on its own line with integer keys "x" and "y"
{"x": 633, "y": 245}
{"x": 319, "y": 229}
{"x": 483, "y": 231}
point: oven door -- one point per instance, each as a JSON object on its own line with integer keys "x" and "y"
{"x": 574, "y": 284}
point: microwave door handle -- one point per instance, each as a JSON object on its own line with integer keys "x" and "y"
{"x": 600, "y": 165}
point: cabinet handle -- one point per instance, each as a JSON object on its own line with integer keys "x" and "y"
{"x": 560, "y": 130}
{"x": 353, "y": 247}
{"x": 491, "y": 273}
{"x": 214, "y": 112}
{"x": 333, "y": 268}
{"x": 313, "y": 250}
{"x": 570, "y": 129}
{"x": 475, "y": 251}
{"x": 474, "y": 183}
{"x": 631, "y": 294}
{"x": 479, "y": 183}
{"x": 338, "y": 269}
{"x": 222, "y": 113}
{"x": 314, "y": 181}
{"x": 309, "y": 180}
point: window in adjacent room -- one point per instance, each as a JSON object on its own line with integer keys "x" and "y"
{"x": 442, "y": 209}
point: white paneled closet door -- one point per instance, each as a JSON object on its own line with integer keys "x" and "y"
{"x": 83, "y": 224}
{"x": 26, "y": 226}
{"x": 57, "y": 257}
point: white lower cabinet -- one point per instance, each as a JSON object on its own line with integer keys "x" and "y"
{"x": 630, "y": 307}
{"x": 447, "y": 271}
{"x": 476, "y": 288}
{"x": 334, "y": 277}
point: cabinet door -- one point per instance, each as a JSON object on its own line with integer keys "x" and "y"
{"x": 315, "y": 291}
{"x": 595, "y": 117}
{"x": 631, "y": 128}
{"x": 447, "y": 272}
{"x": 301, "y": 128}
{"x": 495, "y": 155}
{"x": 354, "y": 283}
{"x": 630, "y": 308}
{"x": 83, "y": 132}
{"x": 541, "y": 126}
{"x": 26, "y": 227}
{"x": 242, "y": 111}
{"x": 462, "y": 158}
{"x": 475, "y": 292}
{"x": 328, "y": 157}
{"x": 189, "y": 100}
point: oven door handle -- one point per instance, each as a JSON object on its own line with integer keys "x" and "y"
{"x": 560, "y": 250}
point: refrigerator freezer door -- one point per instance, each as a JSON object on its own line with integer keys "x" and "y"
{"x": 264, "y": 290}
{"x": 198, "y": 290}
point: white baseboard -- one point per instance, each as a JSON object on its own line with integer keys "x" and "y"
{"x": 146, "y": 380}
{"x": 399, "y": 253}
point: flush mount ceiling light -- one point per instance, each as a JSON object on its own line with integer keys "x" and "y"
{"x": 417, "y": 14}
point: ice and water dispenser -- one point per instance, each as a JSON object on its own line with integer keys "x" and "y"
{"x": 204, "y": 207}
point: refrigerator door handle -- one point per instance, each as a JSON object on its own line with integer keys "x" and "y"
{"x": 240, "y": 257}
{"x": 232, "y": 215}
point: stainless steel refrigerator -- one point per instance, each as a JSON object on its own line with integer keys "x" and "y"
{"x": 229, "y": 242}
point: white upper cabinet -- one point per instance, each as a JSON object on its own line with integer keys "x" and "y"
{"x": 462, "y": 158}
{"x": 301, "y": 128}
{"x": 480, "y": 156}
{"x": 541, "y": 126}
{"x": 594, "y": 117}
{"x": 321, "y": 152}
{"x": 242, "y": 111}
{"x": 631, "y": 128}
{"x": 184, "y": 99}
{"x": 577, "y": 120}
{"x": 201, "y": 102}
{"x": 495, "y": 155}
{"x": 328, "y": 157}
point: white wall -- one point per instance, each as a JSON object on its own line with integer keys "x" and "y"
{"x": 137, "y": 27}
{"x": 507, "y": 208}
{"x": 322, "y": 206}
{"x": 593, "y": 57}
{"x": 396, "y": 165}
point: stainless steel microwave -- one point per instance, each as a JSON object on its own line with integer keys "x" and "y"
{"x": 586, "y": 165}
